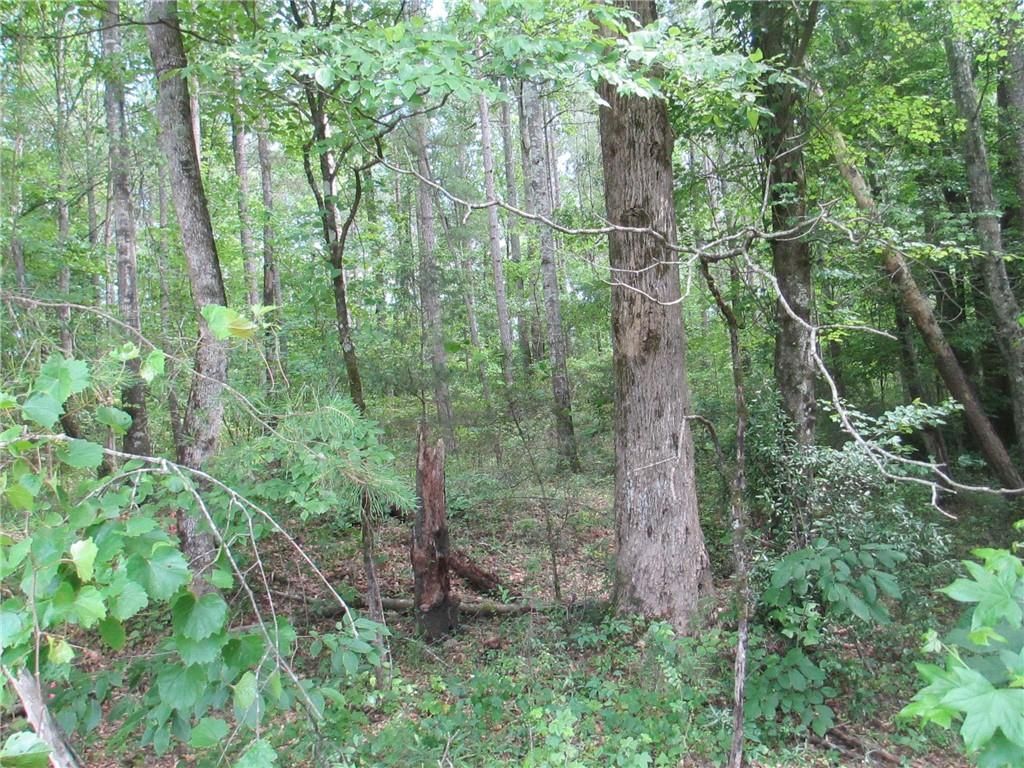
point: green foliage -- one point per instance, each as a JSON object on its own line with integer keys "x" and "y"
{"x": 981, "y": 683}
{"x": 24, "y": 750}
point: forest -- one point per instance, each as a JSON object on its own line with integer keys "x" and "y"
{"x": 546, "y": 383}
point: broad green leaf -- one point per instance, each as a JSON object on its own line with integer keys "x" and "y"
{"x": 225, "y": 322}
{"x": 180, "y": 687}
{"x": 245, "y": 693}
{"x": 129, "y": 600}
{"x": 112, "y": 632}
{"x": 59, "y": 650}
{"x": 259, "y": 755}
{"x": 61, "y": 378}
{"x": 88, "y": 606}
{"x": 83, "y": 555}
{"x": 115, "y": 418}
{"x": 162, "y": 574}
{"x": 993, "y": 594}
{"x": 125, "y": 352}
{"x": 43, "y": 409}
{"x": 24, "y": 750}
{"x": 198, "y": 619}
{"x": 7, "y": 401}
{"x": 208, "y": 732}
{"x": 200, "y": 651}
{"x": 152, "y": 366}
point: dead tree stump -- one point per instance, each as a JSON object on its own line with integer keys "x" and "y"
{"x": 437, "y": 610}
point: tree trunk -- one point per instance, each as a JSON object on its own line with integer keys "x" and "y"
{"x": 239, "y": 136}
{"x": 272, "y": 296}
{"x": 1012, "y": 88}
{"x": 662, "y": 567}
{"x": 16, "y": 249}
{"x": 173, "y": 405}
{"x": 783, "y": 138}
{"x": 538, "y": 185}
{"x": 511, "y": 227}
{"x": 437, "y": 610}
{"x": 430, "y": 287}
{"x": 1010, "y": 333}
{"x": 494, "y": 240}
{"x": 30, "y": 693}
{"x": 133, "y": 396}
{"x": 916, "y": 304}
{"x": 204, "y": 412}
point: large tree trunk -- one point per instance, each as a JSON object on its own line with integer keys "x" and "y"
{"x": 783, "y": 139}
{"x": 537, "y": 166}
{"x": 1012, "y": 91}
{"x": 511, "y": 227}
{"x": 662, "y": 567}
{"x": 1006, "y": 310}
{"x": 917, "y": 306}
{"x": 430, "y": 288}
{"x": 239, "y": 136}
{"x": 437, "y": 610}
{"x": 160, "y": 248}
{"x": 272, "y": 295}
{"x": 136, "y": 439}
{"x": 494, "y": 240}
{"x": 204, "y": 413}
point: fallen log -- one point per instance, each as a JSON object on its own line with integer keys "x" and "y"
{"x": 476, "y": 577}
{"x": 326, "y": 609}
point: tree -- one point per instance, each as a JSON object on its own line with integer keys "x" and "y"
{"x": 204, "y": 411}
{"x": 661, "y": 566}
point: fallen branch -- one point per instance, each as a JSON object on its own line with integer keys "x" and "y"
{"x": 476, "y": 577}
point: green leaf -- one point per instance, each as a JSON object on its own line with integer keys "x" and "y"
{"x": 225, "y": 322}
{"x": 112, "y": 632}
{"x": 7, "y": 401}
{"x": 43, "y": 409}
{"x": 208, "y": 732}
{"x": 83, "y": 555}
{"x": 198, "y": 619}
{"x": 125, "y": 352}
{"x": 89, "y": 607}
{"x": 162, "y": 574}
{"x": 993, "y": 593}
{"x": 59, "y": 651}
{"x": 245, "y": 693}
{"x": 180, "y": 687}
{"x": 259, "y": 755}
{"x": 24, "y": 750}
{"x": 62, "y": 378}
{"x": 115, "y": 418}
{"x": 324, "y": 77}
{"x": 128, "y": 600}
{"x": 200, "y": 651}
{"x": 152, "y": 366}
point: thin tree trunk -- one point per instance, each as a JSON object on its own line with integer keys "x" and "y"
{"x": 136, "y": 439}
{"x": 272, "y": 295}
{"x": 173, "y": 406}
{"x": 16, "y": 249}
{"x": 917, "y": 306}
{"x": 430, "y": 288}
{"x": 494, "y": 240}
{"x": 537, "y": 169}
{"x": 783, "y": 141}
{"x": 239, "y": 136}
{"x": 30, "y": 693}
{"x": 511, "y": 227}
{"x": 204, "y": 413}
{"x": 1006, "y": 310}
{"x": 1012, "y": 87}
{"x": 662, "y": 566}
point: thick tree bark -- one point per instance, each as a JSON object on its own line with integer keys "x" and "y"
{"x": 437, "y": 609}
{"x": 239, "y": 136}
{"x": 917, "y": 306}
{"x": 783, "y": 138}
{"x": 1012, "y": 90}
{"x": 272, "y": 295}
{"x": 515, "y": 254}
{"x": 204, "y": 413}
{"x": 430, "y": 288}
{"x": 133, "y": 396}
{"x": 537, "y": 166}
{"x": 662, "y": 566}
{"x": 494, "y": 241}
{"x": 1005, "y": 308}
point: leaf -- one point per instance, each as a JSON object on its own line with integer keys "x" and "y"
{"x": 753, "y": 115}
{"x": 225, "y": 322}
{"x": 180, "y": 686}
{"x": 162, "y": 573}
{"x": 59, "y": 651}
{"x": 115, "y": 418}
{"x": 112, "y": 632}
{"x": 208, "y": 732}
{"x": 43, "y": 409}
{"x": 129, "y": 600}
{"x": 198, "y": 619}
{"x": 24, "y": 750}
{"x": 83, "y": 555}
{"x": 62, "y": 377}
{"x": 88, "y": 606}
{"x": 7, "y": 401}
{"x": 324, "y": 77}
{"x": 200, "y": 651}
{"x": 245, "y": 693}
{"x": 993, "y": 595}
{"x": 152, "y": 366}
{"x": 259, "y": 755}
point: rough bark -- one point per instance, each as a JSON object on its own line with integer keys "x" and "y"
{"x": 1005, "y": 308}
{"x": 437, "y": 609}
{"x": 1012, "y": 88}
{"x": 537, "y": 164}
{"x": 917, "y": 306}
{"x": 662, "y": 567}
{"x": 204, "y": 412}
{"x": 494, "y": 241}
{"x": 782, "y": 142}
{"x": 511, "y": 226}
{"x": 239, "y": 136}
{"x": 133, "y": 396}
{"x": 430, "y": 288}
{"x": 173, "y": 405}
{"x": 272, "y": 295}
